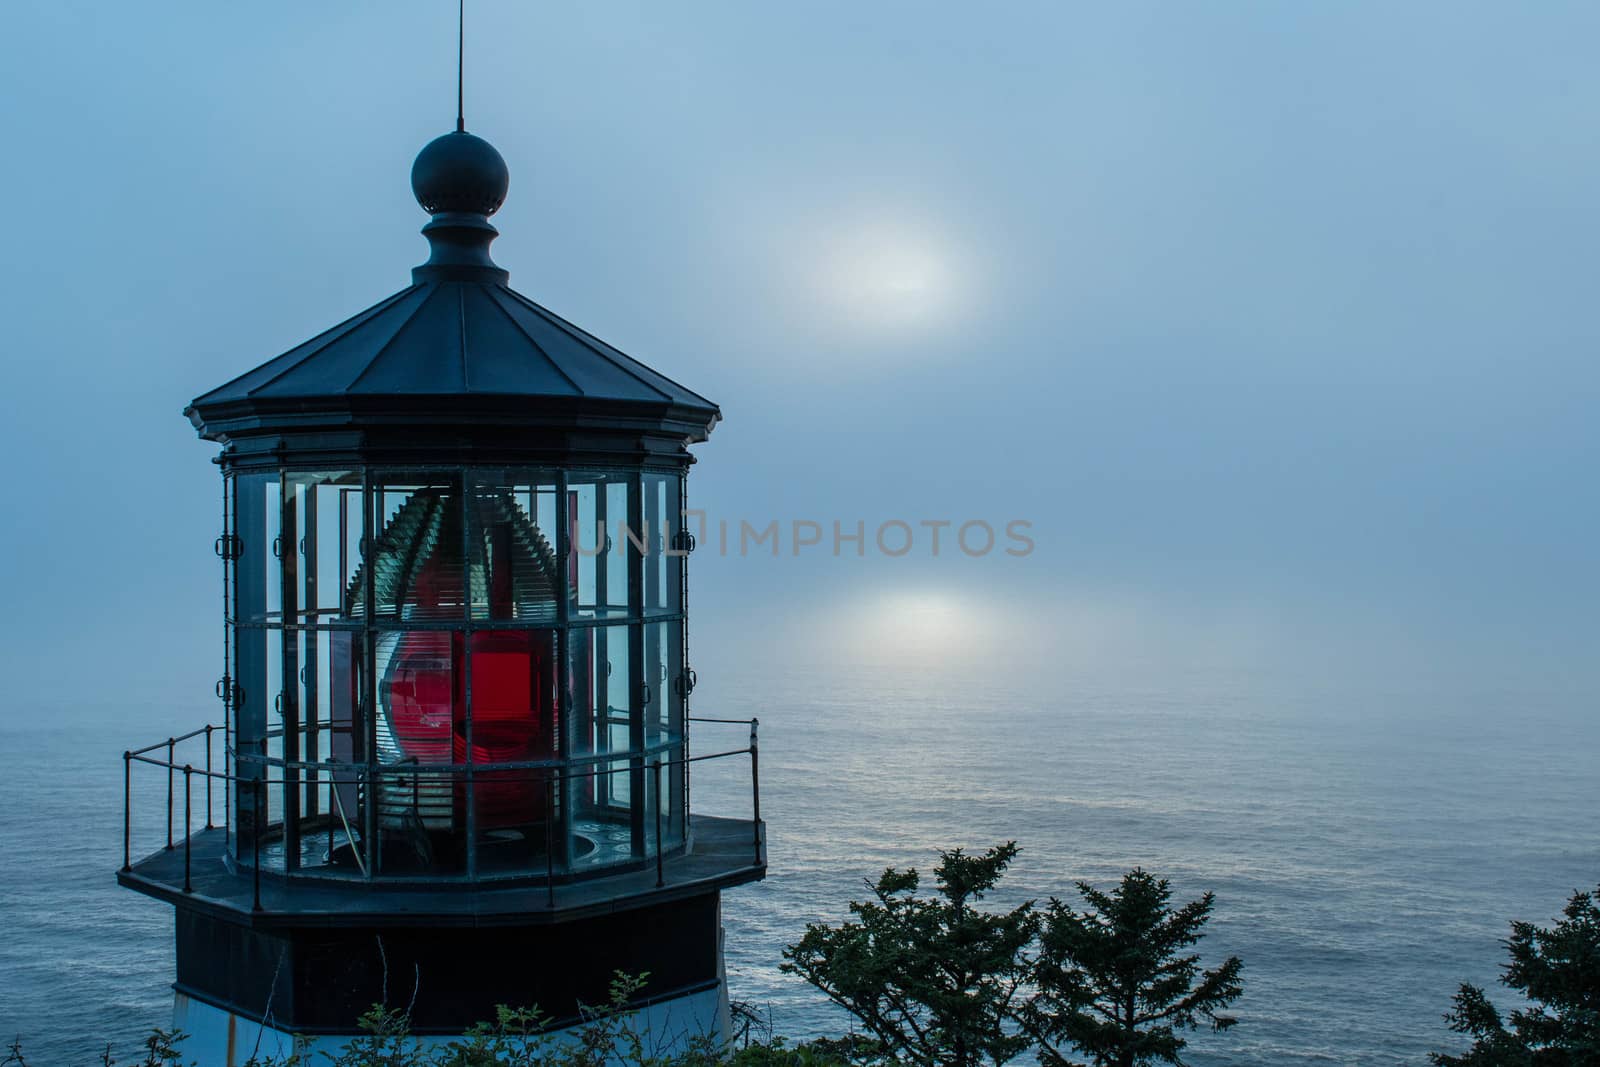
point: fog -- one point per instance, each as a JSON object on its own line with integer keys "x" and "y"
{"x": 1273, "y": 323}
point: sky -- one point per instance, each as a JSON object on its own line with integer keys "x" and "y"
{"x": 1274, "y": 322}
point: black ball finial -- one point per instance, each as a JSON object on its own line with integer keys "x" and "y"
{"x": 460, "y": 173}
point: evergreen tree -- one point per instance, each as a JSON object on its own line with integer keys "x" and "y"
{"x": 934, "y": 979}
{"x": 1114, "y": 982}
{"x": 1557, "y": 970}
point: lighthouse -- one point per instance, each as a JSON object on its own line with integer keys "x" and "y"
{"x": 451, "y": 767}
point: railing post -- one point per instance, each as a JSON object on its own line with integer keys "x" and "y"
{"x": 188, "y": 831}
{"x": 755, "y": 788}
{"x": 208, "y": 776}
{"x": 260, "y": 810}
{"x": 171, "y": 773}
{"x": 549, "y": 840}
{"x": 369, "y": 816}
{"x": 127, "y": 811}
{"x": 661, "y": 877}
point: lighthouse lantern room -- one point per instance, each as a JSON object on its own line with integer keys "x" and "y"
{"x": 452, "y": 763}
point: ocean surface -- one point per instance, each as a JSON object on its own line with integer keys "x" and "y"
{"x": 1367, "y": 844}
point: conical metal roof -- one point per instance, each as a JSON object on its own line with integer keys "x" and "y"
{"x": 457, "y": 348}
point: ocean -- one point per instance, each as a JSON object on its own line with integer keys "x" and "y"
{"x": 1367, "y": 844}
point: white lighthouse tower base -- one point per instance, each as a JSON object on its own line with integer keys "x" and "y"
{"x": 217, "y": 1037}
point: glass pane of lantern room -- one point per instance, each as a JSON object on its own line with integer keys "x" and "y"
{"x": 585, "y": 543}
{"x": 614, "y": 562}
{"x": 676, "y": 688}
{"x": 276, "y": 795}
{"x": 284, "y": 578}
{"x": 255, "y": 523}
{"x": 322, "y": 517}
{"x": 663, "y": 560}
{"x": 418, "y": 587}
{"x": 662, "y": 729}
{"x": 418, "y": 566}
{"x": 658, "y": 725}
{"x": 335, "y": 680}
{"x": 225, "y": 549}
{"x": 320, "y": 510}
{"x": 517, "y": 584}
{"x": 255, "y": 592}
{"x": 598, "y": 517}
{"x": 601, "y": 786}
{"x": 515, "y": 573}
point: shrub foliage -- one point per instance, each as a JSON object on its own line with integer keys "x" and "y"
{"x": 1557, "y": 972}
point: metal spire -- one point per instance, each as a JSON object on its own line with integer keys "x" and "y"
{"x": 461, "y": 52}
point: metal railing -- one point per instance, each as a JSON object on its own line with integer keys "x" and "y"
{"x": 370, "y": 780}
